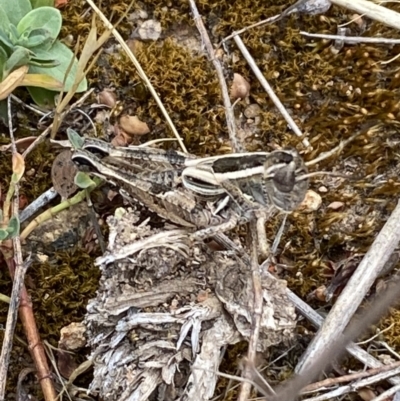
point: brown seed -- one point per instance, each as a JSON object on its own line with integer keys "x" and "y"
{"x": 133, "y": 126}
{"x": 107, "y": 97}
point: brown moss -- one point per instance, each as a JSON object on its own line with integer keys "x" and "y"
{"x": 63, "y": 287}
{"x": 330, "y": 96}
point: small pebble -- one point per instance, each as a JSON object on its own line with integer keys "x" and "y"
{"x": 252, "y": 111}
{"x": 311, "y": 202}
{"x": 335, "y": 205}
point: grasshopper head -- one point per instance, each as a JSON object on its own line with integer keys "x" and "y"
{"x": 280, "y": 182}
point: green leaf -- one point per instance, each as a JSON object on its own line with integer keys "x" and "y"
{"x": 82, "y": 180}
{"x": 44, "y": 63}
{"x": 5, "y": 42}
{"x": 42, "y": 57}
{"x": 17, "y": 59}
{"x": 13, "y": 227}
{"x": 3, "y": 59}
{"x": 13, "y": 34}
{"x": 63, "y": 55}
{"x": 42, "y": 3}
{"x": 48, "y": 18}
{"x": 15, "y": 9}
{"x": 3, "y": 234}
{"x": 4, "y": 20}
{"x": 76, "y": 140}
{"x": 40, "y": 38}
{"x": 43, "y": 97}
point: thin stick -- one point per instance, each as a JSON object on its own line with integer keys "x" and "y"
{"x": 230, "y": 118}
{"x": 29, "y": 107}
{"x": 323, "y": 384}
{"x": 12, "y": 317}
{"x": 335, "y": 349}
{"x": 304, "y": 309}
{"x": 20, "y": 270}
{"x": 285, "y": 13}
{"x": 259, "y": 23}
{"x": 386, "y": 346}
{"x": 342, "y": 144}
{"x": 358, "y": 385}
{"x": 37, "y": 204}
{"x": 375, "y": 12}
{"x": 43, "y": 135}
{"x": 355, "y": 290}
{"x": 269, "y": 90}
{"x": 317, "y": 320}
{"x": 386, "y": 394}
{"x": 20, "y": 301}
{"x": 139, "y": 68}
{"x": 245, "y": 387}
{"x": 352, "y": 39}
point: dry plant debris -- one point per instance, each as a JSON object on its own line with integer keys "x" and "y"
{"x": 63, "y": 172}
{"x": 162, "y": 315}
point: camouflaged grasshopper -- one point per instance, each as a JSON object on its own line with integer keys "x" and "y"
{"x": 212, "y": 194}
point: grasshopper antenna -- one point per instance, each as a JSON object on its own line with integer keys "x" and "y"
{"x": 341, "y": 145}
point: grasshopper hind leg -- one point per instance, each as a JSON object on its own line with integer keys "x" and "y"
{"x": 211, "y": 231}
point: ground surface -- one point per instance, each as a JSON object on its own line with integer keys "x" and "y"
{"x": 330, "y": 96}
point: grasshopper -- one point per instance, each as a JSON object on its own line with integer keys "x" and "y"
{"x": 211, "y": 194}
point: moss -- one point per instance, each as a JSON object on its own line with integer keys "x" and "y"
{"x": 330, "y": 97}
{"x": 62, "y": 288}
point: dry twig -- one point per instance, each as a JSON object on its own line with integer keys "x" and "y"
{"x": 245, "y": 387}
{"x": 335, "y": 349}
{"x": 332, "y": 381}
{"x": 43, "y": 135}
{"x": 20, "y": 300}
{"x": 371, "y": 10}
{"x": 139, "y": 68}
{"x": 353, "y": 349}
{"x": 352, "y": 39}
{"x": 269, "y": 90}
{"x": 38, "y": 203}
{"x": 359, "y": 385}
{"x": 230, "y": 118}
{"x": 358, "y": 285}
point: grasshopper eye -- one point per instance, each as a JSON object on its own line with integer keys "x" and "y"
{"x": 281, "y": 167}
{"x": 285, "y": 178}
